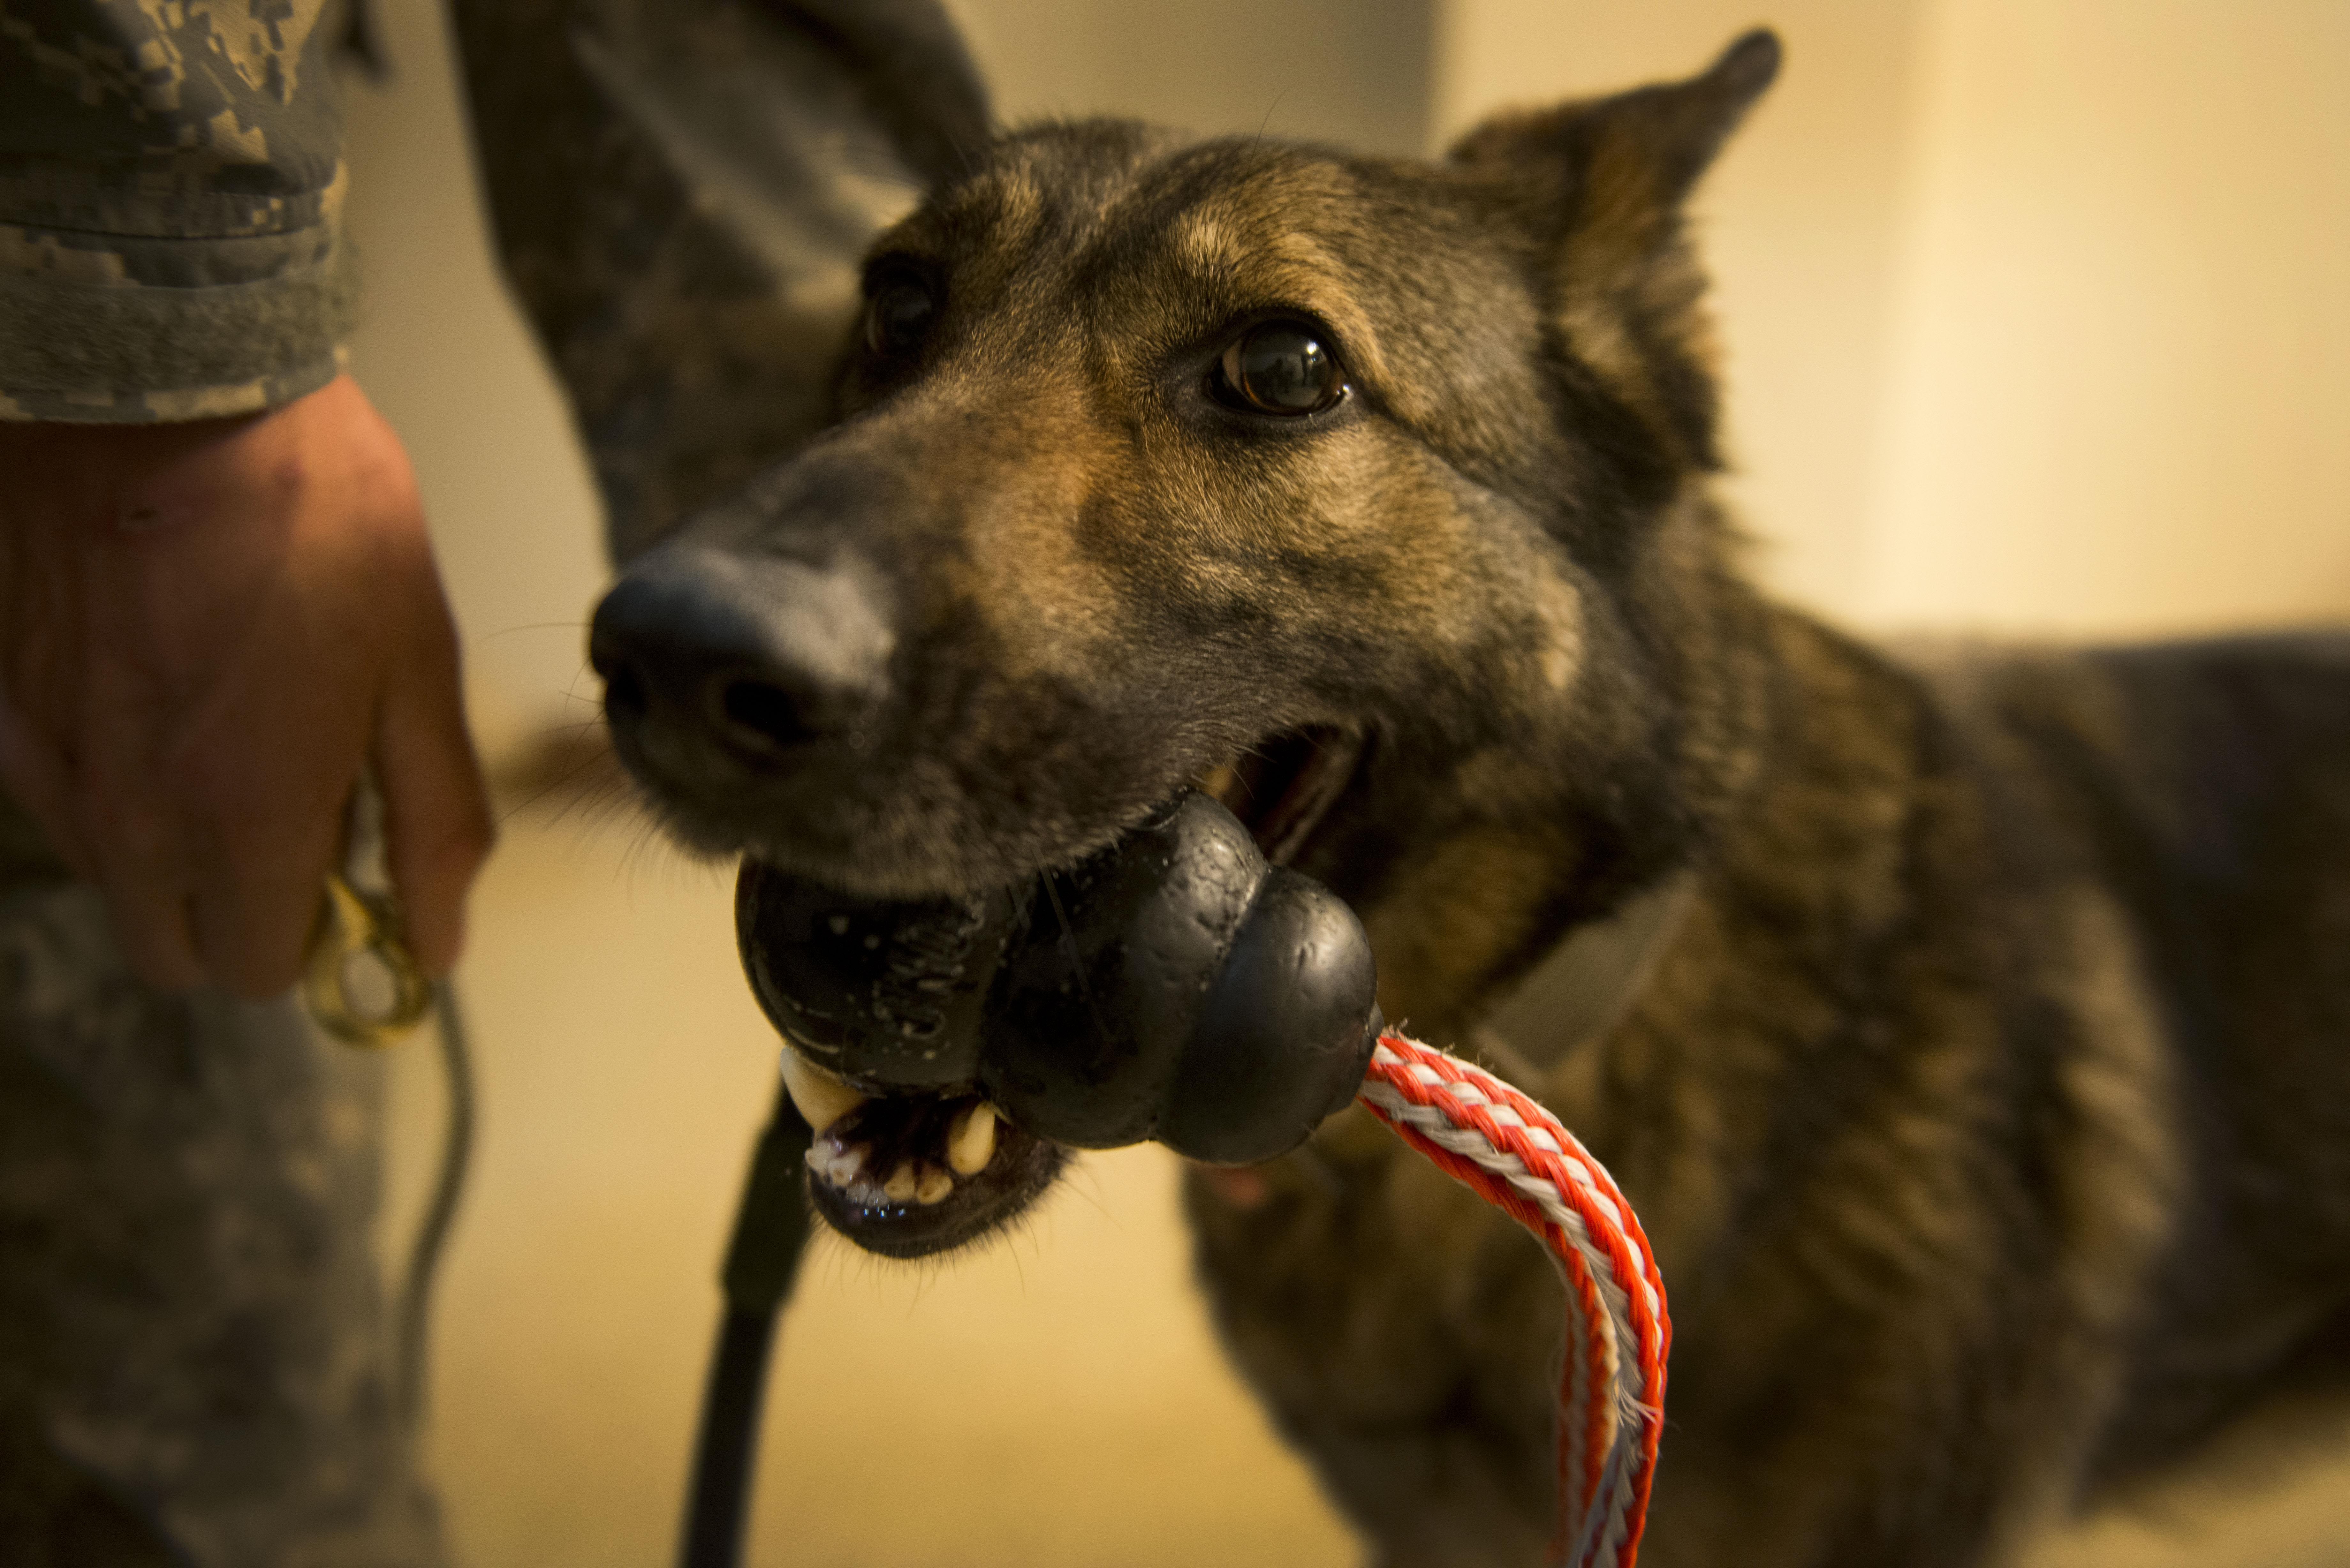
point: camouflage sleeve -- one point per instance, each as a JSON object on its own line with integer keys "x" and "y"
{"x": 170, "y": 181}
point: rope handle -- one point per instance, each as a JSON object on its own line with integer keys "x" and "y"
{"x": 1510, "y": 1151}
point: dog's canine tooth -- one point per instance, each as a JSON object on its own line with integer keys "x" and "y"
{"x": 933, "y": 1186}
{"x": 970, "y": 1140}
{"x": 1222, "y": 782}
{"x": 822, "y": 1099}
{"x": 899, "y": 1188}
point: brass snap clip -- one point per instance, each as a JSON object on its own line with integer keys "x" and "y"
{"x": 360, "y": 982}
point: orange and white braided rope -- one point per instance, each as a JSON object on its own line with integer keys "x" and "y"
{"x": 1514, "y": 1154}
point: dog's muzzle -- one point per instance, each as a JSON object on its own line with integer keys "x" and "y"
{"x": 1173, "y": 987}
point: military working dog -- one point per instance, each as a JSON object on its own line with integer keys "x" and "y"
{"x": 1969, "y": 1031}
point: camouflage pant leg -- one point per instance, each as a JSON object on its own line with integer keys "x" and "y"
{"x": 192, "y": 1346}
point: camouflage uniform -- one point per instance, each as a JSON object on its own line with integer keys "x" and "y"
{"x": 192, "y": 1364}
{"x": 170, "y": 175}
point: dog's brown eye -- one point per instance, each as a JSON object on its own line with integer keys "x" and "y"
{"x": 1280, "y": 367}
{"x": 898, "y": 312}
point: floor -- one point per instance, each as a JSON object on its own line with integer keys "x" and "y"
{"x": 1055, "y": 1399}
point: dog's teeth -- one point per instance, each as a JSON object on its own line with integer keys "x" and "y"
{"x": 970, "y": 1140}
{"x": 901, "y": 1184}
{"x": 933, "y": 1187}
{"x": 822, "y": 1099}
{"x": 843, "y": 1166}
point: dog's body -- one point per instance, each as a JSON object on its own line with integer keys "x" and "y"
{"x": 1985, "y": 1107}
{"x": 1980, "y": 1082}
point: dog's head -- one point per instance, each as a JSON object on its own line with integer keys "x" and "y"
{"x": 1366, "y": 494}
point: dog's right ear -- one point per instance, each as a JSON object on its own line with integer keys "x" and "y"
{"x": 682, "y": 190}
{"x": 1606, "y": 179}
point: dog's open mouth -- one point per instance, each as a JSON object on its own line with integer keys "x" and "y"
{"x": 1282, "y": 787}
{"x": 909, "y": 1175}
{"x": 910, "y": 1172}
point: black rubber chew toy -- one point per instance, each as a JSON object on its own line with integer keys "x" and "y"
{"x": 1172, "y": 987}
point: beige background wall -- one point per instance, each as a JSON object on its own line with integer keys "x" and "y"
{"x": 2035, "y": 318}
{"x": 2120, "y": 396}
{"x": 2037, "y": 312}
{"x": 1354, "y": 72}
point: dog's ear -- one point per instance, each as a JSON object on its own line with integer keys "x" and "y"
{"x": 1607, "y": 178}
{"x": 1649, "y": 144}
{"x": 681, "y": 192}
{"x": 1644, "y": 148}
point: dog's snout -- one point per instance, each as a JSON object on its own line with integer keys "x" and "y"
{"x": 752, "y": 658}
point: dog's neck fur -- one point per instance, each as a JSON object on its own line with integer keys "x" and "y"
{"x": 1652, "y": 762}
{"x": 1835, "y": 858}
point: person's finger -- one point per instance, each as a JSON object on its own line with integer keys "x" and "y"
{"x": 436, "y": 809}
{"x": 129, "y": 850}
{"x": 141, "y": 868}
{"x": 258, "y": 884}
{"x": 156, "y": 927}
{"x": 129, "y": 847}
{"x": 36, "y": 779}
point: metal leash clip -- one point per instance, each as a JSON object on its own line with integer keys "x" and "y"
{"x": 360, "y": 980}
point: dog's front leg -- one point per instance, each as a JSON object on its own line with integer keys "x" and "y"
{"x": 1401, "y": 1334}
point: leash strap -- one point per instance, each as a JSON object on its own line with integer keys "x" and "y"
{"x": 1512, "y": 1152}
{"x": 363, "y": 986}
{"x": 771, "y": 1231}
{"x": 1501, "y": 1144}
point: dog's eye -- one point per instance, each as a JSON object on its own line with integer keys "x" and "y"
{"x": 1280, "y": 367}
{"x": 899, "y": 308}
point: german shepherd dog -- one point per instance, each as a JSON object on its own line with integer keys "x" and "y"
{"x": 1969, "y": 1032}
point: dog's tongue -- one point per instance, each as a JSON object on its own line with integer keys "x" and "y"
{"x": 1173, "y": 987}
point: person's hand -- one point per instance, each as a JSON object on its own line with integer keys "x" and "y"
{"x": 207, "y": 630}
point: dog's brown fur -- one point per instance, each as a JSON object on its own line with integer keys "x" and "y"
{"x": 1987, "y": 1103}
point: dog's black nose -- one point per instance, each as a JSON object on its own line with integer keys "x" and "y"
{"x": 753, "y": 656}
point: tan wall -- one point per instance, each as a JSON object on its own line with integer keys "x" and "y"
{"x": 2121, "y": 394}
{"x": 2037, "y": 312}
{"x": 1354, "y": 72}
